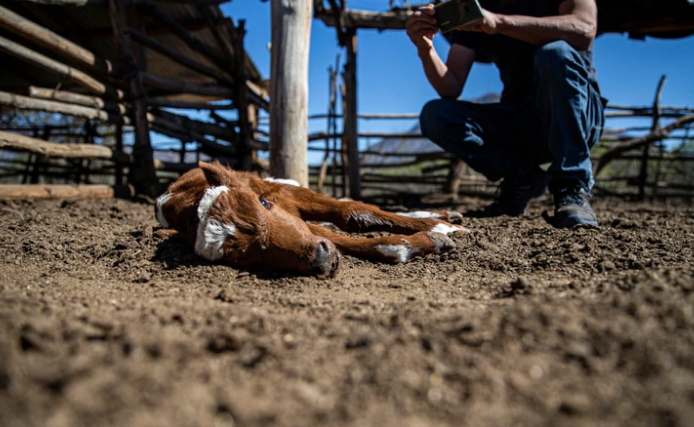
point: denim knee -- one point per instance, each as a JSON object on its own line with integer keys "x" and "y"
{"x": 431, "y": 117}
{"x": 552, "y": 56}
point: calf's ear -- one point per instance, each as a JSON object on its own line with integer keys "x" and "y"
{"x": 215, "y": 173}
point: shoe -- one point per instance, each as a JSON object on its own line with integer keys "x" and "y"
{"x": 515, "y": 193}
{"x": 571, "y": 207}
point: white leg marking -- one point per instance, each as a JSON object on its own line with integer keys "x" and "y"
{"x": 399, "y": 253}
{"x": 211, "y": 233}
{"x": 161, "y": 201}
{"x": 420, "y": 214}
{"x": 448, "y": 228}
{"x": 283, "y": 181}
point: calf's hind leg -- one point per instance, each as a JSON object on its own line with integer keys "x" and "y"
{"x": 357, "y": 217}
{"x": 391, "y": 249}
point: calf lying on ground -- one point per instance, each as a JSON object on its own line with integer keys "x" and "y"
{"x": 243, "y": 221}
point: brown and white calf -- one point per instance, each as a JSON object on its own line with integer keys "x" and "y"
{"x": 243, "y": 221}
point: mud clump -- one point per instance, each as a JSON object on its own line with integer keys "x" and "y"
{"x": 102, "y": 323}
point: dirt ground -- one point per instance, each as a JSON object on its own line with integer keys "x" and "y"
{"x": 522, "y": 325}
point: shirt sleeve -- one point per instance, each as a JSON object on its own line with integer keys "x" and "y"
{"x": 471, "y": 40}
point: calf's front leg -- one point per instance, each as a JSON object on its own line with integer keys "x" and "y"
{"x": 391, "y": 249}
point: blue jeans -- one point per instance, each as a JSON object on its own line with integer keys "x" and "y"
{"x": 558, "y": 125}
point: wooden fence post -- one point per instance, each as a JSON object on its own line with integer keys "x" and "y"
{"x": 645, "y": 156}
{"x": 142, "y": 171}
{"x": 291, "y": 37}
{"x": 350, "y": 124}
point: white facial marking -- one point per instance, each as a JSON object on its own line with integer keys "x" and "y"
{"x": 399, "y": 253}
{"x": 283, "y": 181}
{"x": 420, "y": 214}
{"x": 211, "y": 233}
{"x": 161, "y": 201}
{"x": 448, "y": 228}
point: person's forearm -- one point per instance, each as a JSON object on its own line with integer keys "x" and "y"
{"x": 577, "y": 32}
{"x": 441, "y": 79}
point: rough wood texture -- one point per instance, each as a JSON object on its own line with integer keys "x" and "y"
{"x": 180, "y": 31}
{"x": 26, "y": 103}
{"x": 45, "y": 191}
{"x": 291, "y": 32}
{"x": 658, "y": 135}
{"x": 351, "y": 138}
{"x": 62, "y": 70}
{"x": 15, "y": 142}
{"x": 166, "y": 103}
{"x": 239, "y": 66}
{"x": 143, "y": 174}
{"x": 178, "y": 86}
{"x": 394, "y": 20}
{"x": 79, "y": 99}
{"x": 178, "y": 57}
{"x": 35, "y": 33}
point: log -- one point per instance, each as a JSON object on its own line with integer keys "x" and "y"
{"x": 62, "y": 70}
{"x": 226, "y": 134}
{"x": 353, "y": 19}
{"x": 178, "y": 86}
{"x": 239, "y": 66}
{"x": 26, "y": 103}
{"x": 178, "y": 57}
{"x": 21, "y": 26}
{"x": 658, "y": 135}
{"x": 166, "y": 103}
{"x": 15, "y": 142}
{"x": 59, "y": 192}
{"x": 100, "y": 2}
{"x": 180, "y": 31}
{"x": 291, "y": 33}
{"x": 76, "y": 98}
{"x": 142, "y": 173}
{"x": 350, "y": 137}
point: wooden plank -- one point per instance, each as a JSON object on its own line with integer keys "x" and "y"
{"x": 26, "y": 103}
{"x": 185, "y": 105}
{"x": 100, "y": 2}
{"x": 178, "y": 57}
{"x": 291, "y": 33}
{"x": 353, "y": 19}
{"x": 60, "y": 192}
{"x": 182, "y": 33}
{"x": 21, "y": 26}
{"x": 64, "y": 71}
{"x": 178, "y": 86}
{"x": 15, "y": 142}
{"x": 78, "y": 99}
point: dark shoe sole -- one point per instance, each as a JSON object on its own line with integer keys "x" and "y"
{"x": 572, "y": 220}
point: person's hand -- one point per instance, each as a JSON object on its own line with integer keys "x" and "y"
{"x": 421, "y": 27}
{"x": 489, "y": 24}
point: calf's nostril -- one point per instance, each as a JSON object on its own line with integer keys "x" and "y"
{"x": 322, "y": 250}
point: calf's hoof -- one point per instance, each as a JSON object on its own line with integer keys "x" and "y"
{"x": 454, "y": 217}
{"x": 443, "y": 242}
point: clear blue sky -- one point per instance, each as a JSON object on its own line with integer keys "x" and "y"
{"x": 391, "y": 80}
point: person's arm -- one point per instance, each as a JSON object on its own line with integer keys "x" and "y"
{"x": 576, "y": 24}
{"x": 448, "y": 79}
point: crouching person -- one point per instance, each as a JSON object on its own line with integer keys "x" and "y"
{"x": 550, "y": 109}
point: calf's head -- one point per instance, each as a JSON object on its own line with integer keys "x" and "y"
{"x": 230, "y": 217}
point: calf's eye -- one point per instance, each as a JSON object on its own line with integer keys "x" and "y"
{"x": 265, "y": 204}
